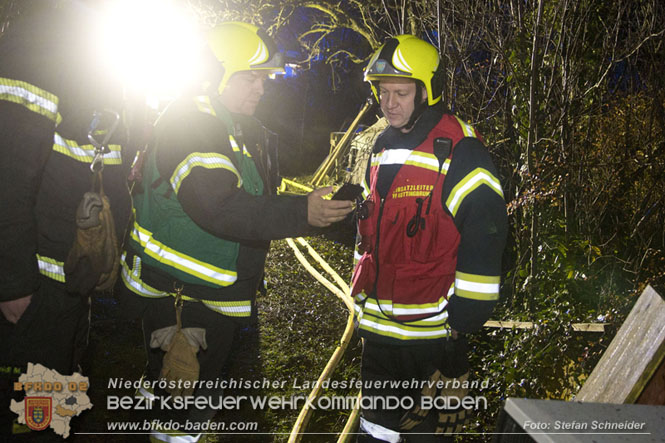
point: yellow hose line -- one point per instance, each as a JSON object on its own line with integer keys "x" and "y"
{"x": 305, "y": 412}
{"x": 339, "y": 280}
{"x": 296, "y": 185}
{"x": 316, "y": 274}
{"x": 351, "y": 423}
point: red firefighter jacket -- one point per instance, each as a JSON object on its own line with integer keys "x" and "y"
{"x": 410, "y": 238}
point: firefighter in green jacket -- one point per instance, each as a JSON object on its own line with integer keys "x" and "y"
{"x": 207, "y": 209}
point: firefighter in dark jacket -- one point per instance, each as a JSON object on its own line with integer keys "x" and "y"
{"x": 208, "y": 209}
{"x": 50, "y": 86}
{"x": 432, "y": 230}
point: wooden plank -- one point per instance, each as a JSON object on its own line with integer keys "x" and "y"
{"x": 510, "y": 324}
{"x": 632, "y": 357}
{"x": 589, "y": 327}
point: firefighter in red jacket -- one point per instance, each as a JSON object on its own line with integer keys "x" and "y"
{"x": 432, "y": 230}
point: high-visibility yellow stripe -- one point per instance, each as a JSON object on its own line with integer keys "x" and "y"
{"x": 468, "y": 184}
{"x": 409, "y": 309}
{"x": 85, "y": 153}
{"x": 417, "y": 330}
{"x": 132, "y": 280}
{"x": 477, "y": 287}
{"x": 236, "y": 147}
{"x": 180, "y": 261}
{"x": 409, "y": 157}
{"x": 203, "y": 104}
{"x": 35, "y": 99}
{"x": 51, "y": 268}
{"x": 366, "y": 189}
{"x": 356, "y": 255}
{"x": 360, "y": 297}
{"x": 231, "y": 308}
{"x": 391, "y": 157}
{"x": 208, "y": 160}
{"x": 467, "y": 129}
{"x": 428, "y": 164}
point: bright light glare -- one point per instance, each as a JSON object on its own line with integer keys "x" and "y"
{"x": 153, "y": 45}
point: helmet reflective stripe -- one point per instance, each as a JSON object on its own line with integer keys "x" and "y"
{"x": 400, "y": 63}
{"x": 409, "y": 57}
{"x": 243, "y": 47}
{"x": 30, "y": 96}
{"x": 51, "y": 268}
{"x": 85, "y": 153}
{"x": 180, "y": 261}
{"x": 261, "y": 54}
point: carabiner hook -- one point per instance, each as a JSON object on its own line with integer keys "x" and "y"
{"x": 417, "y": 222}
{"x": 97, "y": 164}
{"x": 101, "y": 148}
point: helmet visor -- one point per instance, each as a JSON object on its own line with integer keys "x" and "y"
{"x": 382, "y": 67}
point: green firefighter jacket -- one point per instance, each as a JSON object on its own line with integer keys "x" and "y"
{"x": 204, "y": 218}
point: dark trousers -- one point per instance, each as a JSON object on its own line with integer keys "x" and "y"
{"x": 53, "y": 331}
{"x": 220, "y": 333}
{"x": 404, "y": 364}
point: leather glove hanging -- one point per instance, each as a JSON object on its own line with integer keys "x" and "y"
{"x": 94, "y": 259}
{"x": 180, "y": 363}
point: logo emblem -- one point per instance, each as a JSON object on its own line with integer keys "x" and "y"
{"x": 380, "y": 66}
{"x": 38, "y": 412}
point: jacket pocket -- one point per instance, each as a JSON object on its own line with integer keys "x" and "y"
{"x": 419, "y": 290}
{"x": 364, "y": 275}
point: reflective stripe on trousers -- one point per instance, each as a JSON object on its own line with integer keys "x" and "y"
{"x": 379, "y": 432}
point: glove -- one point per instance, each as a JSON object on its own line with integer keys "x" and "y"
{"x": 94, "y": 259}
{"x": 161, "y": 338}
{"x": 417, "y": 415}
{"x": 438, "y": 391}
{"x": 442, "y": 385}
{"x": 180, "y": 364}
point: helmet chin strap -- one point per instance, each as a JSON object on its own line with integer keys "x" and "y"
{"x": 419, "y": 106}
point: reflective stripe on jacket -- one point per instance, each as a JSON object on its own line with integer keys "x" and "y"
{"x": 402, "y": 281}
{"x": 65, "y": 177}
{"x": 167, "y": 239}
